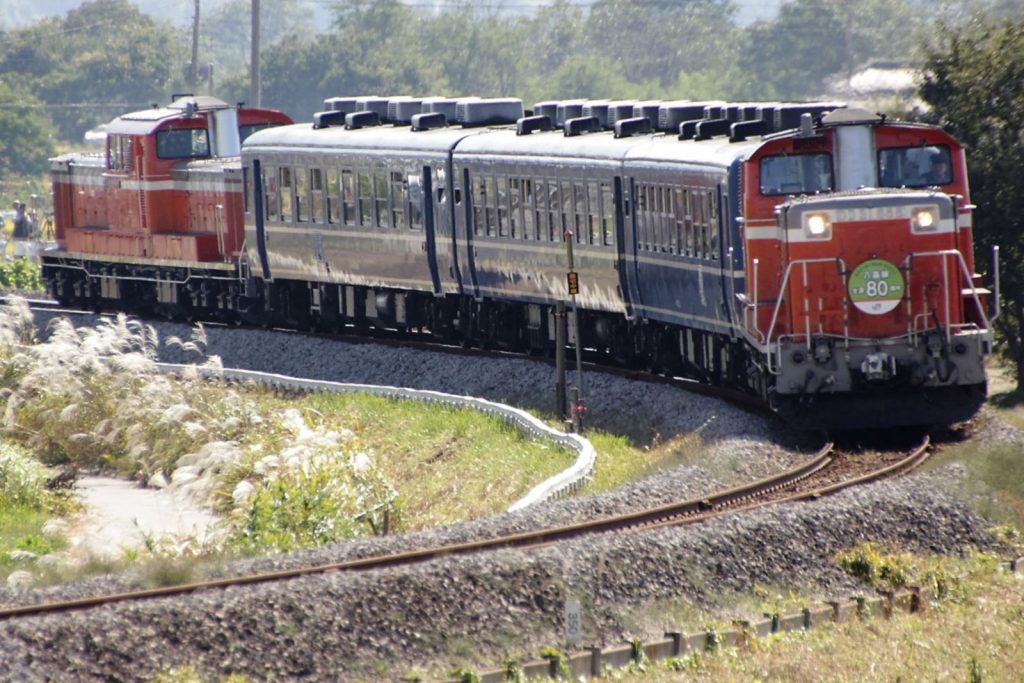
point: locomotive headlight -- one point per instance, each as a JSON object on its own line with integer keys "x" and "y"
{"x": 817, "y": 225}
{"x": 924, "y": 219}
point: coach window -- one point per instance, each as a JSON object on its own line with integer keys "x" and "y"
{"x": 555, "y": 228}
{"x": 607, "y": 214}
{"x": 540, "y": 215}
{"x": 348, "y": 196}
{"x": 666, "y": 219}
{"x": 381, "y": 189}
{"x": 286, "y": 193}
{"x": 677, "y": 221}
{"x": 316, "y": 188}
{"x": 580, "y": 221}
{"x": 643, "y": 218}
{"x": 301, "y": 194}
{"x": 712, "y": 200}
{"x": 333, "y": 196}
{"x": 414, "y": 196}
{"x": 479, "y": 206}
{"x": 270, "y": 194}
{"x": 399, "y": 198}
{"x": 529, "y": 210}
{"x": 593, "y": 214}
{"x": 365, "y": 182}
{"x": 784, "y": 174}
{"x": 696, "y": 233}
{"x": 501, "y": 194}
{"x": 515, "y": 207}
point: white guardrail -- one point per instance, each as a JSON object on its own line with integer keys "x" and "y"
{"x": 561, "y": 484}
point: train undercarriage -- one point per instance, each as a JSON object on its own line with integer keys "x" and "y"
{"x": 218, "y": 293}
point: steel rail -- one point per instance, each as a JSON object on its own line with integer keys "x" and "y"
{"x": 643, "y": 518}
{"x": 737, "y": 499}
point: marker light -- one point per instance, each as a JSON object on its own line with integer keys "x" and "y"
{"x": 817, "y": 225}
{"x": 924, "y": 219}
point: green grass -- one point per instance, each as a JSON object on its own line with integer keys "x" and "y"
{"x": 21, "y": 529}
{"x": 975, "y": 635}
{"x": 446, "y": 464}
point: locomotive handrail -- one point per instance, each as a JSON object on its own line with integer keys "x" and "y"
{"x": 782, "y": 294}
{"x": 907, "y": 265}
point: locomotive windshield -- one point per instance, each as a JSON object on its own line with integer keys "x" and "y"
{"x": 914, "y": 166}
{"x": 796, "y": 174}
{"x": 188, "y": 143}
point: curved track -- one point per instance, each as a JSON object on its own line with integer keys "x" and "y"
{"x": 812, "y": 479}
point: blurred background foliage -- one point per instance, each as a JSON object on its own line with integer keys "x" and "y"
{"x": 83, "y": 63}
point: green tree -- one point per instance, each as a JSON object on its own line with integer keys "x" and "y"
{"x": 974, "y": 84}
{"x": 791, "y": 56}
{"x": 25, "y": 141}
{"x": 101, "y": 59}
{"x": 655, "y": 40}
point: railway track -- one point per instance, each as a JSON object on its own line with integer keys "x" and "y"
{"x": 824, "y": 473}
{"x": 593, "y": 361}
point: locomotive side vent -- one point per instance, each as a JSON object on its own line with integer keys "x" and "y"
{"x": 532, "y": 124}
{"x": 345, "y": 105}
{"x": 581, "y": 124}
{"x": 377, "y": 105}
{"x": 639, "y": 125}
{"x": 648, "y": 110}
{"x": 361, "y": 119}
{"x": 428, "y": 121}
{"x": 619, "y": 110}
{"x": 599, "y": 110}
{"x": 402, "y": 109}
{"x": 709, "y": 128}
{"x": 568, "y": 110}
{"x": 326, "y": 119}
{"x": 439, "y": 105}
{"x": 548, "y": 109}
{"x": 488, "y": 112}
{"x": 672, "y": 114}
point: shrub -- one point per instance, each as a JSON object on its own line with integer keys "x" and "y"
{"x": 20, "y": 274}
{"x": 23, "y": 480}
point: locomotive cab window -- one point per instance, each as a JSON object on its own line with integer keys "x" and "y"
{"x": 784, "y": 174}
{"x": 914, "y": 166}
{"x": 190, "y": 143}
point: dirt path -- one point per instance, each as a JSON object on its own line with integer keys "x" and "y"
{"x": 119, "y": 515}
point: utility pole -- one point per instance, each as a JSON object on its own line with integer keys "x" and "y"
{"x": 254, "y": 58}
{"x": 193, "y": 69}
{"x": 573, "y": 282}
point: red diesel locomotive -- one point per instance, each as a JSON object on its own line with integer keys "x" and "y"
{"x": 159, "y": 209}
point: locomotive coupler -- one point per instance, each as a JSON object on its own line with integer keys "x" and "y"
{"x": 878, "y": 367}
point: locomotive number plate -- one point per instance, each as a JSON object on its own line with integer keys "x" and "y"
{"x": 876, "y": 286}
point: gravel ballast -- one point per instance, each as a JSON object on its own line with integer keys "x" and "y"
{"x": 386, "y": 624}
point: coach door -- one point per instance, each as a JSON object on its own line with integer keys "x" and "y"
{"x": 625, "y": 239}
{"x": 425, "y": 202}
{"x": 726, "y": 257}
{"x": 462, "y": 208}
{"x": 439, "y": 221}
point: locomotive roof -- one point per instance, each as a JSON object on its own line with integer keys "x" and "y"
{"x": 502, "y": 141}
{"x": 146, "y": 121}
